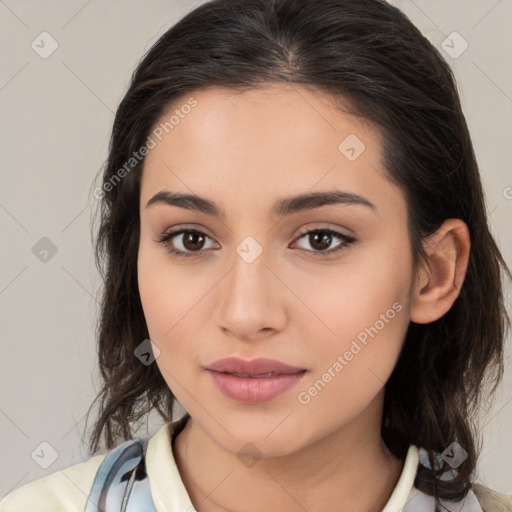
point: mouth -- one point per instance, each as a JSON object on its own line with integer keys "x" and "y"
{"x": 257, "y": 376}
{"x": 252, "y": 368}
{"x": 254, "y": 389}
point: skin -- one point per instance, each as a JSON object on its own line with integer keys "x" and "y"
{"x": 244, "y": 151}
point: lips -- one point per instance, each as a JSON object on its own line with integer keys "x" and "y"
{"x": 260, "y": 367}
{"x": 255, "y": 381}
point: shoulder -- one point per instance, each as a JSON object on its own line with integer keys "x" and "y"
{"x": 68, "y": 490}
{"x": 491, "y": 500}
{"x": 64, "y": 490}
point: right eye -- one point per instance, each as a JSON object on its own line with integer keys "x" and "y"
{"x": 191, "y": 243}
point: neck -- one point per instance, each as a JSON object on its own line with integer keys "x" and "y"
{"x": 350, "y": 466}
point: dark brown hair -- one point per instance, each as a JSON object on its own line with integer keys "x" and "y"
{"x": 371, "y": 57}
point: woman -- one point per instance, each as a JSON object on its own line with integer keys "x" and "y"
{"x": 295, "y": 246}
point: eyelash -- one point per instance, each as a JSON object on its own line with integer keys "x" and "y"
{"x": 347, "y": 241}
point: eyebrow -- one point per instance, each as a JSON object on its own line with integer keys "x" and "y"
{"x": 281, "y": 208}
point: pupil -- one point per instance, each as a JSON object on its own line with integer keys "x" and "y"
{"x": 324, "y": 240}
{"x": 192, "y": 237}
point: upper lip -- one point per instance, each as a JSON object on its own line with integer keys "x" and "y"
{"x": 257, "y": 366}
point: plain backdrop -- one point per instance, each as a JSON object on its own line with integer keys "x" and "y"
{"x": 56, "y": 115}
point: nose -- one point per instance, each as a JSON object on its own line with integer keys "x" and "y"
{"x": 251, "y": 300}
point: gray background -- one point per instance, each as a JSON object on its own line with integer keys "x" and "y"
{"x": 57, "y": 114}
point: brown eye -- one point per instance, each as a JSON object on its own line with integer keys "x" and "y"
{"x": 192, "y": 241}
{"x": 321, "y": 239}
{"x": 191, "y": 244}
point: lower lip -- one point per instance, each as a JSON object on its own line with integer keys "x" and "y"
{"x": 254, "y": 389}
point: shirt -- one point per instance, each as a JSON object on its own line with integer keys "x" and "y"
{"x": 67, "y": 490}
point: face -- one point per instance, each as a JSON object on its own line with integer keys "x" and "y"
{"x": 256, "y": 281}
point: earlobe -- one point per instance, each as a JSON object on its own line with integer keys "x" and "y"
{"x": 440, "y": 279}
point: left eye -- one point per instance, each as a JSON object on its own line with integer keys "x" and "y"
{"x": 318, "y": 238}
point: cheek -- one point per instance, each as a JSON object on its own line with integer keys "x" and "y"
{"x": 351, "y": 368}
{"x": 348, "y": 301}
{"x": 155, "y": 302}
{"x": 160, "y": 284}
{"x": 158, "y": 289}
{"x": 361, "y": 315}
{"x": 173, "y": 300}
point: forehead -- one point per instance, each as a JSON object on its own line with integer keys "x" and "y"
{"x": 278, "y": 140}
{"x": 272, "y": 114}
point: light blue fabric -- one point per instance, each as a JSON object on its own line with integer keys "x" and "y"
{"x": 418, "y": 501}
{"x": 121, "y": 483}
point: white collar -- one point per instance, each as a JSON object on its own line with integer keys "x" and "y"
{"x": 169, "y": 492}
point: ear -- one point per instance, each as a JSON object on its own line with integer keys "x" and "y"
{"x": 439, "y": 285}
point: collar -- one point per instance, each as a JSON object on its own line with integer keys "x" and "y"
{"x": 169, "y": 492}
